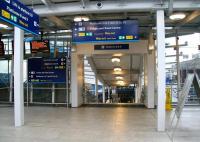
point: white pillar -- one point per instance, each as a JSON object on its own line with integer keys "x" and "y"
{"x": 103, "y": 93}
{"x": 160, "y": 24}
{"x": 139, "y": 89}
{"x": 150, "y": 80}
{"x": 18, "y": 77}
{"x": 77, "y": 80}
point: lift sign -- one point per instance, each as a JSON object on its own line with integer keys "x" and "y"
{"x": 17, "y": 14}
{"x": 47, "y": 70}
{"x": 105, "y": 31}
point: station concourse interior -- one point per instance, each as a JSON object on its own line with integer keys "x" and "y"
{"x": 99, "y": 70}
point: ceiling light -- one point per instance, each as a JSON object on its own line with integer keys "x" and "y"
{"x": 117, "y": 54}
{"x": 117, "y": 69}
{"x": 119, "y": 77}
{"x": 81, "y": 18}
{"x": 115, "y": 59}
{"x": 3, "y": 26}
{"x": 177, "y": 16}
{"x": 121, "y": 83}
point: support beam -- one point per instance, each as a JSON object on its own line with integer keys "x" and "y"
{"x": 170, "y": 7}
{"x": 150, "y": 78}
{"x": 83, "y": 4}
{"x": 109, "y": 6}
{"x": 47, "y": 2}
{"x": 59, "y": 22}
{"x": 18, "y": 77}
{"x": 77, "y": 78}
{"x": 189, "y": 18}
{"x": 160, "y": 24}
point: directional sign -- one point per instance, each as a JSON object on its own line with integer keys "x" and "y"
{"x": 49, "y": 70}
{"x": 105, "y": 31}
{"x": 17, "y": 14}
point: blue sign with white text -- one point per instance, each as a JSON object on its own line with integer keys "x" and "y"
{"x": 105, "y": 31}
{"x": 47, "y": 70}
{"x": 17, "y": 14}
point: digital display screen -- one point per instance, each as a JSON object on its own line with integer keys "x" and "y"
{"x": 40, "y": 46}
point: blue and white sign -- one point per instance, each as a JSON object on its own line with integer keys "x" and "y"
{"x": 47, "y": 70}
{"x": 105, "y": 31}
{"x": 17, "y": 14}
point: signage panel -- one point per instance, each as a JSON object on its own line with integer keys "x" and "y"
{"x": 2, "y": 52}
{"x": 40, "y": 46}
{"x": 105, "y": 31}
{"x": 47, "y": 70}
{"x": 17, "y": 14}
{"x": 112, "y": 47}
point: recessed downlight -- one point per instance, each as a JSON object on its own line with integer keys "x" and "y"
{"x": 81, "y": 18}
{"x": 119, "y": 77}
{"x": 121, "y": 83}
{"x": 177, "y": 16}
{"x": 117, "y": 69}
{"x": 115, "y": 59}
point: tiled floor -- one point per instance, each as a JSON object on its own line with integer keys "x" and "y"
{"x": 57, "y": 124}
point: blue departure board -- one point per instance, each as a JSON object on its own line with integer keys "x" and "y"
{"x": 17, "y": 14}
{"x": 105, "y": 31}
{"x": 47, "y": 70}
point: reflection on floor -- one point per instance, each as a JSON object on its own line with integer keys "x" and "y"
{"x": 88, "y": 124}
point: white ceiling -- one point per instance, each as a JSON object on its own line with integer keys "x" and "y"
{"x": 128, "y": 63}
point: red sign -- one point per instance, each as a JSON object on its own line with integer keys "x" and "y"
{"x": 2, "y": 53}
{"x": 40, "y": 46}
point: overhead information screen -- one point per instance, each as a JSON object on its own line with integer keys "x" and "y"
{"x": 40, "y": 46}
{"x": 2, "y": 48}
{"x": 105, "y": 31}
{"x": 17, "y": 14}
{"x": 47, "y": 70}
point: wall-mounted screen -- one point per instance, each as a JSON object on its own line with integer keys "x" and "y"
{"x": 40, "y": 46}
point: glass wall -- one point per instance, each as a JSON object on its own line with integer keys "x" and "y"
{"x": 189, "y": 52}
{"x": 37, "y": 93}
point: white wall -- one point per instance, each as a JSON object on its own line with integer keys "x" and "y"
{"x": 139, "y": 47}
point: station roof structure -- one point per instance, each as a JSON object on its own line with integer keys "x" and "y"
{"x": 59, "y": 14}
